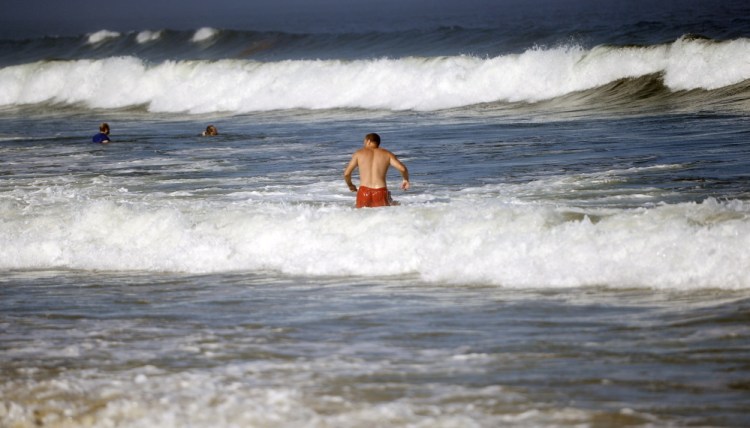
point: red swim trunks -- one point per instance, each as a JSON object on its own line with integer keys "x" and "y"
{"x": 367, "y": 197}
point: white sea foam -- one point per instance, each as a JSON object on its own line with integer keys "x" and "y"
{"x": 102, "y": 35}
{"x": 204, "y": 34}
{"x": 472, "y": 239}
{"x": 400, "y": 84}
{"x": 148, "y": 36}
{"x": 240, "y": 395}
{"x": 704, "y": 64}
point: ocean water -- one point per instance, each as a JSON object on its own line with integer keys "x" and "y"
{"x": 574, "y": 250}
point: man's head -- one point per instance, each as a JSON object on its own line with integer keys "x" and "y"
{"x": 104, "y": 128}
{"x": 373, "y": 138}
{"x": 211, "y": 130}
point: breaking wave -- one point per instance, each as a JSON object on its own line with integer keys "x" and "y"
{"x": 412, "y": 83}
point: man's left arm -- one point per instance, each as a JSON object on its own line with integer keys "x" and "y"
{"x": 402, "y": 169}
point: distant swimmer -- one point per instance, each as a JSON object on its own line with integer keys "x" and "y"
{"x": 103, "y": 135}
{"x": 373, "y": 163}
{"x": 210, "y": 131}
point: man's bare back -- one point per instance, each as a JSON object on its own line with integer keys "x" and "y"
{"x": 373, "y": 163}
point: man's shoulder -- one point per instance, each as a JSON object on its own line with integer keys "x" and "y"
{"x": 384, "y": 152}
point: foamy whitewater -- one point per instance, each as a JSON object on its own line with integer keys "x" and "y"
{"x": 481, "y": 236}
{"x": 412, "y": 83}
{"x": 573, "y": 250}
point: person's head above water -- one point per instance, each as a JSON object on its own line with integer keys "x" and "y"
{"x": 210, "y": 130}
{"x": 103, "y": 135}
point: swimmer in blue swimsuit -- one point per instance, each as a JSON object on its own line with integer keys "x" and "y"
{"x": 103, "y": 135}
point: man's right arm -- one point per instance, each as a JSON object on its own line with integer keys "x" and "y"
{"x": 348, "y": 173}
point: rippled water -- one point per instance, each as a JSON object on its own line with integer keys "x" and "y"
{"x": 543, "y": 272}
{"x": 254, "y": 349}
{"x": 573, "y": 250}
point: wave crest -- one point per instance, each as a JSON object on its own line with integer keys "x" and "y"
{"x": 414, "y": 83}
{"x": 204, "y": 34}
{"x": 147, "y": 36}
{"x": 101, "y": 36}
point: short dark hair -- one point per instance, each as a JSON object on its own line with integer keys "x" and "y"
{"x": 375, "y": 138}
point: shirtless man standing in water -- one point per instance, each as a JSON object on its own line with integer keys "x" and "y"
{"x": 373, "y": 163}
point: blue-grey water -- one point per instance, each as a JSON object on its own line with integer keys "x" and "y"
{"x": 573, "y": 250}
